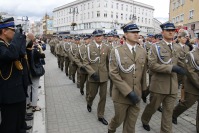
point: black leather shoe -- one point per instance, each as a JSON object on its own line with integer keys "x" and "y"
{"x": 67, "y": 74}
{"x": 29, "y": 114}
{"x": 28, "y": 127}
{"x": 160, "y": 109}
{"x": 73, "y": 80}
{"x": 89, "y": 108}
{"x": 82, "y": 92}
{"x": 28, "y": 118}
{"x": 146, "y": 127}
{"x": 174, "y": 120}
{"x": 103, "y": 121}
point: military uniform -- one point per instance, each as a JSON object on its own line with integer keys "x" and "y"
{"x": 191, "y": 86}
{"x": 163, "y": 61}
{"x": 66, "y": 49}
{"x": 61, "y": 52}
{"x": 97, "y": 63}
{"x": 128, "y": 73}
{"x": 73, "y": 67}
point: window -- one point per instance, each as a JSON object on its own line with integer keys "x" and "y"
{"x": 88, "y": 5}
{"x": 116, "y": 15}
{"x": 131, "y": 9}
{"x": 121, "y": 6}
{"x": 145, "y": 20}
{"x": 99, "y": 5}
{"x": 84, "y": 15}
{"x": 182, "y": 2}
{"x": 84, "y": 6}
{"x": 117, "y": 5}
{"x": 112, "y": 5}
{"x": 105, "y": 15}
{"x": 174, "y": 5}
{"x": 111, "y": 14}
{"x": 92, "y": 15}
{"x": 191, "y": 13}
{"x": 126, "y": 7}
{"x": 182, "y": 17}
{"x": 173, "y": 20}
{"x": 142, "y": 19}
{"x": 126, "y": 16}
{"x": 149, "y": 21}
{"x": 135, "y": 10}
{"x": 122, "y": 16}
{"x": 105, "y": 5}
{"x": 88, "y": 15}
{"x": 92, "y": 4}
{"x": 98, "y": 13}
{"x": 138, "y": 19}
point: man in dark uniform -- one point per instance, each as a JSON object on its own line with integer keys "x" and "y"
{"x": 12, "y": 96}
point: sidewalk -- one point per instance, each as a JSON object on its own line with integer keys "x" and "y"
{"x": 66, "y": 110}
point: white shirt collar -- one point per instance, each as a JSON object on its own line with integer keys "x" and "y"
{"x": 130, "y": 47}
{"x": 98, "y": 44}
{"x": 182, "y": 45}
{"x": 167, "y": 42}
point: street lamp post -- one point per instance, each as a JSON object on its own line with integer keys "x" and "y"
{"x": 73, "y": 11}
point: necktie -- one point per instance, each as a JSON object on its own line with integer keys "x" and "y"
{"x": 133, "y": 51}
{"x": 170, "y": 46}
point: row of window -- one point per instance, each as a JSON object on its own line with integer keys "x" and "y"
{"x": 178, "y": 3}
{"x": 180, "y": 18}
{"x": 117, "y": 6}
{"x": 94, "y": 26}
{"x": 105, "y": 15}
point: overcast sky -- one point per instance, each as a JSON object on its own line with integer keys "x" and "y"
{"x": 35, "y": 9}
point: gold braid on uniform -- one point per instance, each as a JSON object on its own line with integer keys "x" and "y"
{"x": 11, "y": 68}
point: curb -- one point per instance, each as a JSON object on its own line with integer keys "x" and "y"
{"x": 39, "y": 122}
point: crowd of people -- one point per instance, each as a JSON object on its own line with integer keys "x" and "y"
{"x": 21, "y": 66}
{"x": 170, "y": 59}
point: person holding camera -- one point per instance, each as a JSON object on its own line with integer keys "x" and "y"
{"x": 12, "y": 95}
{"x": 35, "y": 54}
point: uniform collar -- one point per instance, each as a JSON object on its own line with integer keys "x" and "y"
{"x": 130, "y": 47}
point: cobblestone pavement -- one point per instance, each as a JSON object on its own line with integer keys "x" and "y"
{"x": 67, "y": 113}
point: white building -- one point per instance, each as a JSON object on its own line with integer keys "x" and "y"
{"x": 103, "y": 14}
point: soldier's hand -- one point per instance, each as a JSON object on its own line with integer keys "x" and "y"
{"x": 178, "y": 70}
{"x": 145, "y": 93}
{"x": 133, "y": 97}
{"x": 95, "y": 76}
{"x": 82, "y": 69}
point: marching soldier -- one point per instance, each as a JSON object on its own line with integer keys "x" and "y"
{"x": 66, "y": 55}
{"x": 96, "y": 64}
{"x": 12, "y": 95}
{"x": 164, "y": 62}
{"x": 72, "y": 54}
{"x": 184, "y": 49}
{"x": 191, "y": 86}
{"x": 61, "y": 52}
{"x": 128, "y": 73}
{"x": 57, "y": 51}
{"x": 81, "y": 56}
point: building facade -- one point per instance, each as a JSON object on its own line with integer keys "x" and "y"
{"x": 47, "y": 22}
{"x": 156, "y": 26}
{"x": 83, "y": 16}
{"x": 185, "y": 12}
